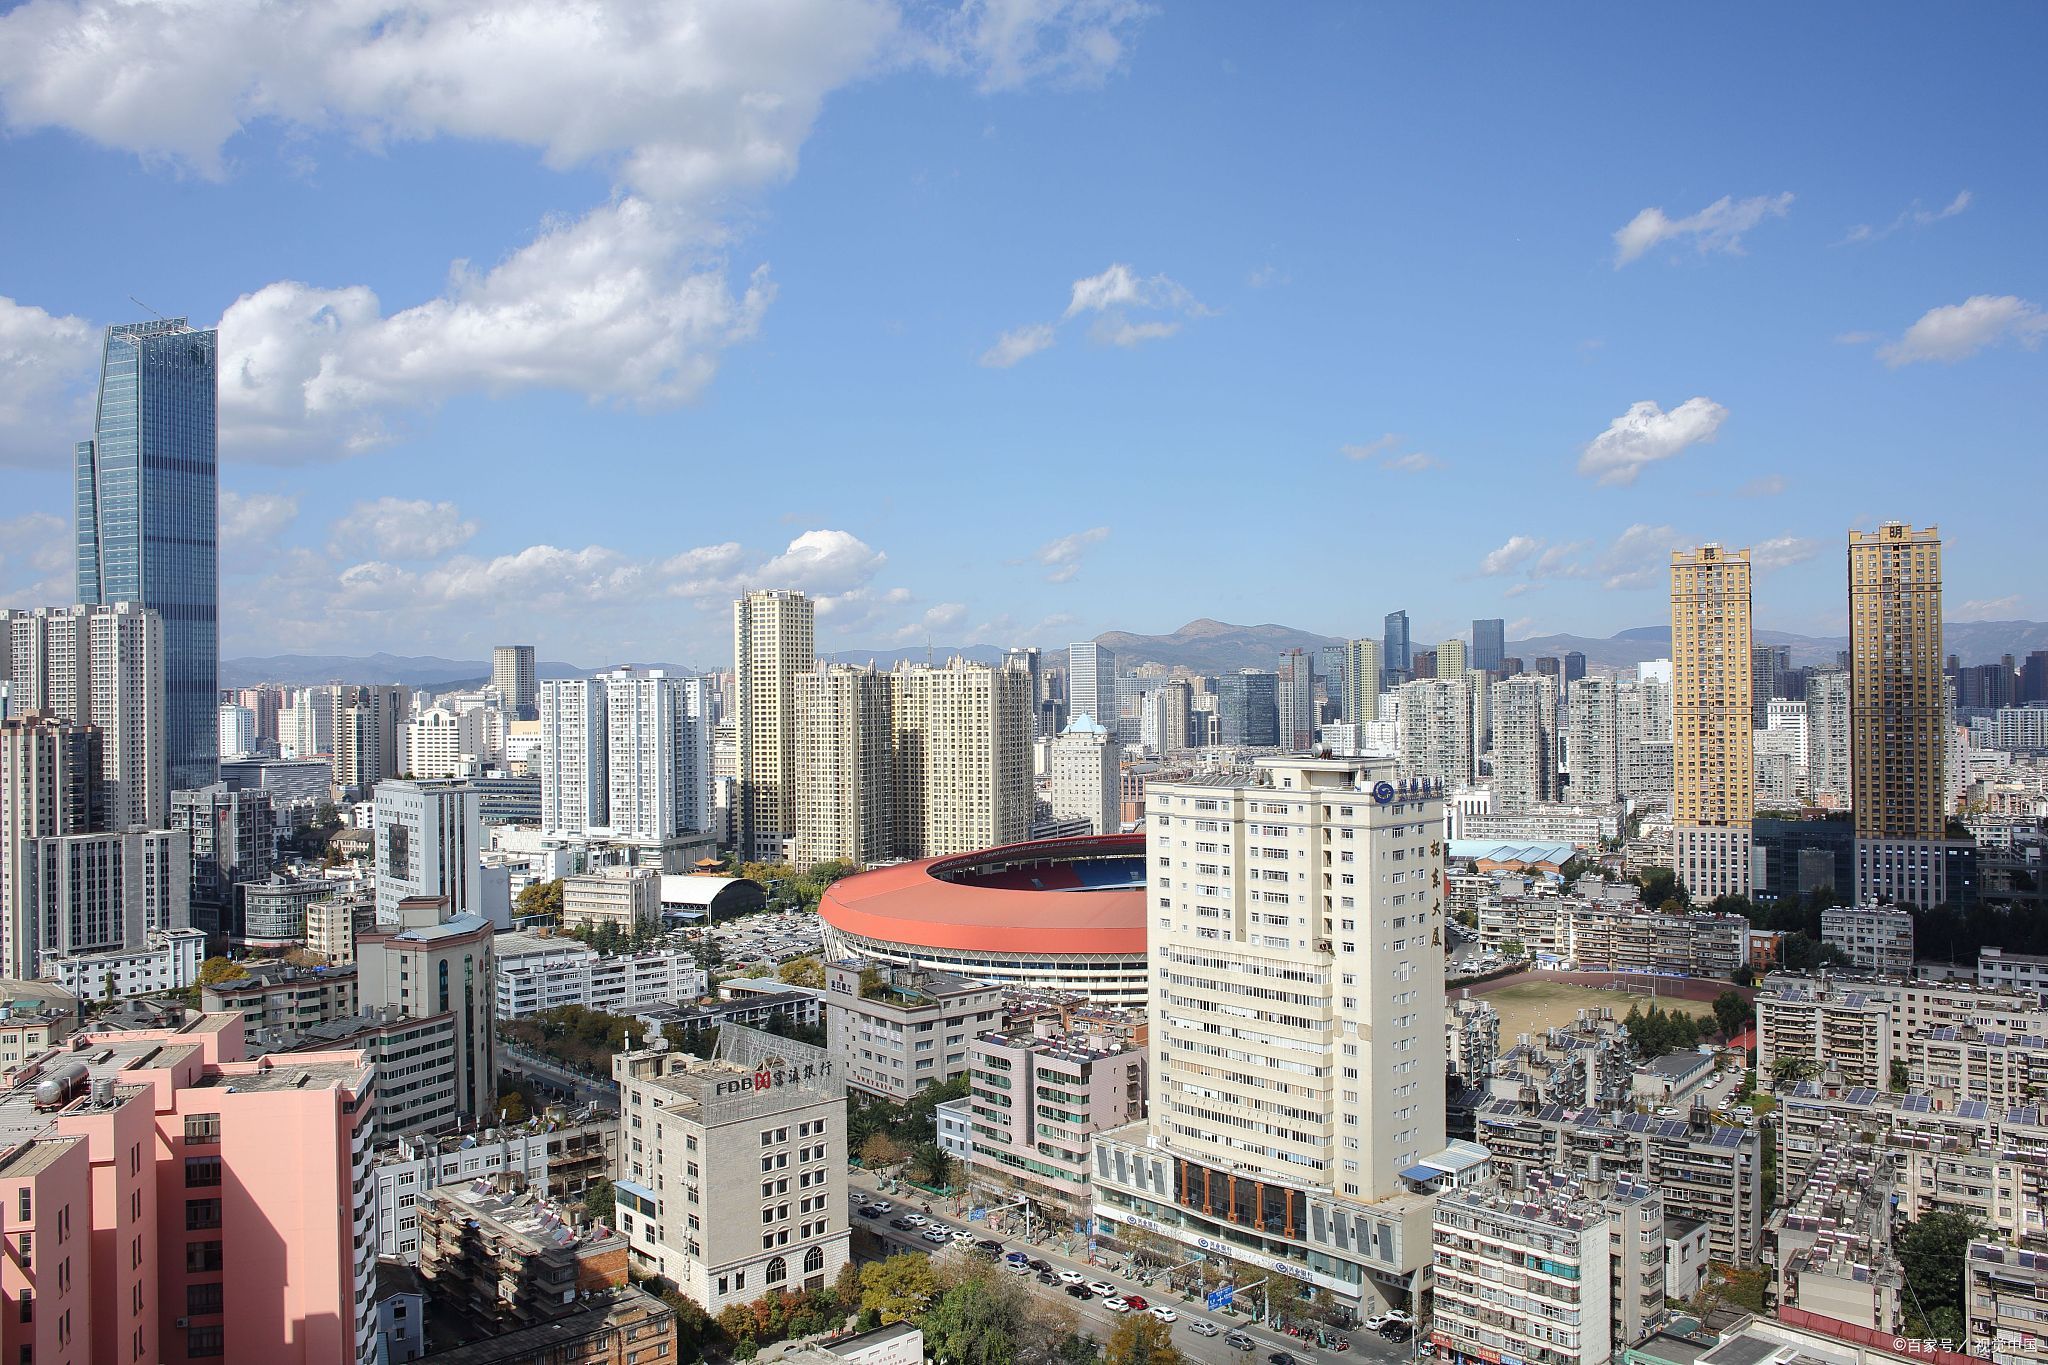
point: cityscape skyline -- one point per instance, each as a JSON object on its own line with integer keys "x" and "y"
{"x": 1708, "y": 347}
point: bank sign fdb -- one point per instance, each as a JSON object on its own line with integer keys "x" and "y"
{"x": 769, "y": 1077}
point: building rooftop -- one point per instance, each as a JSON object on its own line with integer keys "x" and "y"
{"x": 453, "y": 927}
{"x": 552, "y": 1340}
{"x": 525, "y": 1216}
{"x": 281, "y": 1073}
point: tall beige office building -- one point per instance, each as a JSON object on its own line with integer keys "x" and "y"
{"x": 773, "y": 641}
{"x": 1297, "y": 1077}
{"x": 1450, "y": 659}
{"x": 1897, "y": 715}
{"x": 1362, "y": 677}
{"x": 845, "y": 771}
{"x": 1713, "y": 762}
{"x": 963, "y": 736}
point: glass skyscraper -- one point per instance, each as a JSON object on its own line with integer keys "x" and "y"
{"x": 148, "y": 497}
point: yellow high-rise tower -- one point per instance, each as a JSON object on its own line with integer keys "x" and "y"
{"x": 1897, "y": 715}
{"x": 1713, "y": 756}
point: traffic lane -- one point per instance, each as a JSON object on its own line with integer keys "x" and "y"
{"x": 1365, "y": 1344}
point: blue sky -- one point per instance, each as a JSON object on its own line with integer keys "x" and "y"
{"x": 1026, "y": 319}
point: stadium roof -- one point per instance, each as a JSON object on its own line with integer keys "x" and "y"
{"x": 909, "y": 904}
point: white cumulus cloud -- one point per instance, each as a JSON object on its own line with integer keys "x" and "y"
{"x": 401, "y": 529}
{"x": 2004, "y": 608}
{"x": 1914, "y": 216}
{"x": 1062, "y": 557}
{"x": 1512, "y": 555}
{"x": 603, "y": 307}
{"x": 46, "y": 368}
{"x": 1017, "y": 344}
{"x": 1957, "y": 331}
{"x": 1646, "y": 434}
{"x": 1129, "y": 309}
{"x": 1719, "y": 226}
{"x": 1013, "y": 43}
{"x": 1782, "y": 552}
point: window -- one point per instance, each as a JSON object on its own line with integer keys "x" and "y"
{"x": 25, "y": 1204}
{"x": 202, "y": 1256}
{"x": 205, "y": 1342}
{"x": 201, "y": 1299}
{"x": 778, "y": 1271}
{"x": 28, "y": 1305}
{"x": 201, "y": 1214}
{"x": 814, "y": 1260}
{"x": 202, "y": 1127}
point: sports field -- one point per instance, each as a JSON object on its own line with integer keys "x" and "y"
{"x": 1531, "y": 1004}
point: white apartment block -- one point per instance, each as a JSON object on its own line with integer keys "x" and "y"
{"x": 167, "y": 960}
{"x": 237, "y": 730}
{"x": 2000, "y": 970}
{"x": 1828, "y": 746}
{"x": 102, "y": 666}
{"x": 1296, "y": 1024}
{"x": 1593, "y": 740}
{"x": 429, "y": 842}
{"x": 1524, "y": 742}
{"x": 846, "y": 768}
{"x": 896, "y": 1030}
{"x": 573, "y": 763}
{"x": 965, "y": 734}
{"x": 440, "y": 742}
{"x": 1087, "y": 776}
{"x": 536, "y": 974}
{"x": 731, "y": 1174}
{"x": 658, "y": 755}
{"x": 1877, "y": 939}
{"x": 1436, "y": 731}
{"x": 1525, "y": 1277}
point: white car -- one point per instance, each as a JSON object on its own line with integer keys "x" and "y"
{"x": 1202, "y": 1327}
{"x": 1101, "y": 1290}
{"x": 936, "y": 1236}
{"x": 1071, "y": 1277}
{"x": 916, "y": 1220}
{"x": 1400, "y": 1315}
{"x": 1164, "y": 1314}
{"x": 884, "y": 1205}
{"x": 1115, "y": 1304}
{"x": 962, "y": 1235}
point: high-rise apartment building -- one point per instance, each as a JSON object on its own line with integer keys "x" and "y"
{"x": 1087, "y": 776}
{"x": 1296, "y": 699}
{"x": 1713, "y": 757}
{"x": 1091, "y": 682}
{"x": 574, "y": 764}
{"x": 1451, "y": 659}
{"x": 1436, "y": 731}
{"x": 1396, "y": 653}
{"x": 368, "y": 723}
{"x": 964, "y": 736}
{"x": 1364, "y": 674}
{"x": 102, "y": 666}
{"x": 847, "y": 783}
{"x": 1593, "y": 740}
{"x": 774, "y": 640}
{"x": 512, "y": 674}
{"x": 1524, "y": 743}
{"x": 1643, "y": 725}
{"x": 1828, "y": 745}
{"x": 1169, "y": 707}
{"x": 1489, "y": 644}
{"x": 1897, "y": 715}
{"x": 147, "y": 501}
{"x": 657, "y": 755}
{"x": 1296, "y": 1024}
{"x": 49, "y": 786}
{"x": 232, "y": 833}
{"x": 1024, "y": 658}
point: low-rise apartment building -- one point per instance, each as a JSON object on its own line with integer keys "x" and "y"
{"x": 276, "y": 998}
{"x": 1523, "y": 1276}
{"x": 35, "y": 1016}
{"x": 506, "y": 1259}
{"x": 1039, "y": 1094}
{"x": 538, "y": 973}
{"x": 625, "y": 898}
{"x": 899, "y": 1029}
{"x": 1875, "y": 938}
{"x": 554, "y": 1159}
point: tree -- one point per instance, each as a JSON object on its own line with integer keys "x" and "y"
{"x": 215, "y": 970}
{"x": 600, "y": 1200}
{"x": 929, "y": 1165}
{"x": 972, "y": 1324}
{"x": 1900, "y": 1077}
{"x": 898, "y": 1289}
{"x": 881, "y": 1150}
{"x": 1733, "y": 1012}
{"x": 1931, "y": 1251}
{"x": 304, "y": 957}
{"x": 542, "y": 900}
{"x": 1789, "y": 1071}
{"x": 1661, "y": 886}
{"x": 803, "y": 971}
{"x": 1141, "y": 1339}
{"x": 512, "y": 1107}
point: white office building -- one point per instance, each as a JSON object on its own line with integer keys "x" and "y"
{"x": 1087, "y": 776}
{"x": 1091, "y": 682}
{"x": 429, "y": 842}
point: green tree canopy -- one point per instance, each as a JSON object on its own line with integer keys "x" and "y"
{"x": 600, "y": 1200}
{"x": 899, "y": 1288}
{"x": 1931, "y": 1250}
{"x": 972, "y": 1323}
{"x": 1141, "y": 1339}
{"x": 215, "y": 970}
{"x": 1733, "y": 1012}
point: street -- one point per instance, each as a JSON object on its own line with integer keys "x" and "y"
{"x": 1098, "y": 1321}
{"x": 519, "y": 1061}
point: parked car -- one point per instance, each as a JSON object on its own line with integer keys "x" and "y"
{"x": 880, "y": 1205}
{"x": 1116, "y": 1304}
{"x": 1163, "y": 1313}
{"x": 901, "y": 1224}
{"x": 1017, "y": 1258}
{"x": 1137, "y": 1302}
{"x": 1400, "y": 1315}
{"x": 990, "y": 1245}
{"x": 1100, "y": 1289}
{"x": 1045, "y": 1277}
{"x": 1017, "y": 1267}
{"x": 1078, "y": 1291}
{"x": 1397, "y": 1332}
{"x": 1040, "y": 1266}
{"x": 962, "y": 1235}
{"x": 1202, "y": 1327}
{"x": 1071, "y": 1277}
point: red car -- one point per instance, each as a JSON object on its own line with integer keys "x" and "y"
{"x": 1137, "y": 1303}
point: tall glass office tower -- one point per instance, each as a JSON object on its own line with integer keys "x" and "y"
{"x": 148, "y": 498}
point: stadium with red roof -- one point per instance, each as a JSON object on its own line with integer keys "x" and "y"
{"x": 1054, "y": 914}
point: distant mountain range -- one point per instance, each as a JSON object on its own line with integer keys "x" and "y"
{"x": 1204, "y": 646}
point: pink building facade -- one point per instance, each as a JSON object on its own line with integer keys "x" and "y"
{"x": 1040, "y": 1092}
{"x": 169, "y": 1201}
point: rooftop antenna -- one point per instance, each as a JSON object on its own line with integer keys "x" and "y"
{"x": 146, "y": 308}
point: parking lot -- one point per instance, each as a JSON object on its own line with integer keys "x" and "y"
{"x": 774, "y": 937}
{"x": 1046, "y": 1272}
